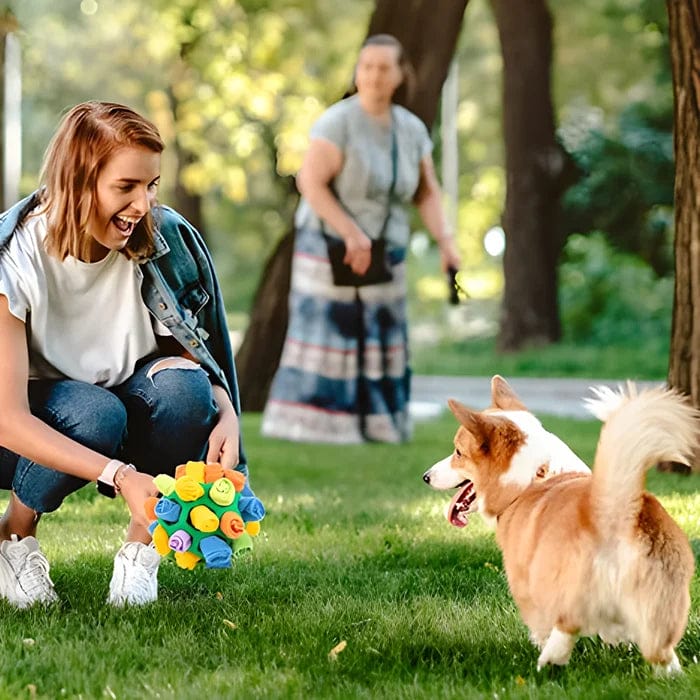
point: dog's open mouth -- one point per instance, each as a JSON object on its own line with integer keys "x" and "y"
{"x": 461, "y": 504}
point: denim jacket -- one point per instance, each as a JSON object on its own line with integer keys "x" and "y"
{"x": 179, "y": 288}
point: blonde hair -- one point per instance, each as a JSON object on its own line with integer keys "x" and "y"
{"x": 87, "y": 137}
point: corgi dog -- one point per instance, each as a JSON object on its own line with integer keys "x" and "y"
{"x": 584, "y": 553}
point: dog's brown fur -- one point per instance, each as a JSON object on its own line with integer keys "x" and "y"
{"x": 584, "y": 554}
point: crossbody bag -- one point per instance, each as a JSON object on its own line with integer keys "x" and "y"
{"x": 379, "y": 270}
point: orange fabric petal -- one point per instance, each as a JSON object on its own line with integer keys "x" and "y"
{"x": 232, "y": 524}
{"x": 149, "y": 507}
{"x": 212, "y": 472}
{"x": 236, "y": 478}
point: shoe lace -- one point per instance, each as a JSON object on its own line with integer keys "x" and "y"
{"x": 35, "y": 575}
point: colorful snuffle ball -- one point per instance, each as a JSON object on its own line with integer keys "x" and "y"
{"x": 202, "y": 516}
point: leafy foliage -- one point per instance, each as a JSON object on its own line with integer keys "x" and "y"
{"x": 608, "y": 296}
{"x": 236, "y": 85}
{"x": 627, "y": 189}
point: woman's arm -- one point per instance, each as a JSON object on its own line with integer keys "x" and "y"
{"x": 428, "y": 199}
{"x": 23, "y": 433}
{"x": 322, "y": 163}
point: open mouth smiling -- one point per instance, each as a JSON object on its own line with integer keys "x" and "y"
{"x": 462, "y": 504}
{"x": 125, "y": 224}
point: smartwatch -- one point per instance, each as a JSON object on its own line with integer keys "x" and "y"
{"x": 105, "y": 481}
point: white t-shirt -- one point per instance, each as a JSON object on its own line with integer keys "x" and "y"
{"x": 85, "y": 321}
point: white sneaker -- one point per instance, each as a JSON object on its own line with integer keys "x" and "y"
{"x": 24, "y": 573}
{"x": 135, "y": 577}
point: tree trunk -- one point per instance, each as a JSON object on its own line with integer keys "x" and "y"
{"x": 684, "y": 34}
{"x": 187, "y": 203}
{"x": 259, "y": 353}
{"x": 538, "y": 171}
{"x": 415, "y": 23}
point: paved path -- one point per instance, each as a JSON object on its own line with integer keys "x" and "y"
{"x": 560, "y": 397}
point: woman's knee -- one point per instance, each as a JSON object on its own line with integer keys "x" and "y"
{"x": 180, "y": 391}
{"x": 171, "y": 411}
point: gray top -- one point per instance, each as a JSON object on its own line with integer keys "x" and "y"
{"x": 363, "y": 183}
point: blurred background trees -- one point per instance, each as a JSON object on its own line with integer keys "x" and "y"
{"x": 414, "y": 25}
{"x": 538, "y": 172}
{"x": 234, "y": 86}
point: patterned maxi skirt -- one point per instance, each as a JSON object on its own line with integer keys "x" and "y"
{"x": 344, "y": 374}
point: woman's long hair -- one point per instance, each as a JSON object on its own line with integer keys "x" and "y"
{"x": 87, "y": 137}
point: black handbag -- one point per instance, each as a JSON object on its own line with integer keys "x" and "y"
{"x": 379, "y": 269}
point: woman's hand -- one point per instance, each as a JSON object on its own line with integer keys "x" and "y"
{"x": 224, "y": 439}
{"x": 358, "y": 252}
{"x": 449, "y": 255}
{"x": 136, "y": 487}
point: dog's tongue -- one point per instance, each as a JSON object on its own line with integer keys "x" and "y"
{"x": 458, "y": 510}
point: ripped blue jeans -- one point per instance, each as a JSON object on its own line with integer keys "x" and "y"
{"x": 155, "y": 422}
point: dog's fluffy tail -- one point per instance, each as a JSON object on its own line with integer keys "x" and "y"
{"x": 641, "y": 429}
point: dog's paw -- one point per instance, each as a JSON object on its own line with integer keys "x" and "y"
{"x": 557, "y": 650}
{"x": 538, "y": 640}
{"x": 673, "y": 668}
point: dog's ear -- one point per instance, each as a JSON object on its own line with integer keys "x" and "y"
{"x": 503, "y": 396}
{"x": 463, "y": 414}
{"x": 482, "y": 426}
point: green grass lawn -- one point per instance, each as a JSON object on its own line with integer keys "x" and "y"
{"x": 354, "y": 549}
{"x": 644, "y": 360}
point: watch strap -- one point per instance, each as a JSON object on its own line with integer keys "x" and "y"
{"x": 109, "y": 472}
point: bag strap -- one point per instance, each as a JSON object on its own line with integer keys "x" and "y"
{"x": 394, "y": 168}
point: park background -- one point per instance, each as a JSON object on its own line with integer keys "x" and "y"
{"x": 235, "y": 86}
{"x": 355, "y": 549}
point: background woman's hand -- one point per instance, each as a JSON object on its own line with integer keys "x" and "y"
{"x": 358, "y": 255}
{"x": 449, "y": 255}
